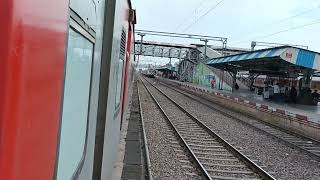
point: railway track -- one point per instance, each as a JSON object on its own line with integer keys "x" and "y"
{"x": 215, "y": 157}
{"x": 168, "y": 157}
{"x": 305, "y": 144}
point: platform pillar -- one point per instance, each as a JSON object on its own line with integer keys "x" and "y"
{"x": 221, "y": 80}
{"x": 234, "y": 79}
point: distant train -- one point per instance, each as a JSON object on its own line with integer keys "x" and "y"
{"x": 149, "y": 73}
{"x": 66, "y": 69}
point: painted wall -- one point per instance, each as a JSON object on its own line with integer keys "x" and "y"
{"x": 202, "y": 75}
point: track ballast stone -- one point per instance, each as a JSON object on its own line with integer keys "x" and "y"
{"x": 168, "y": 159}
{"x": 281, "y": 161}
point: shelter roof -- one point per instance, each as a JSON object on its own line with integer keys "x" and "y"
{"x": 284, "y": 59}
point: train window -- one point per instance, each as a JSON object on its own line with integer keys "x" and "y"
{"x": 75, "y": 104}
{"x": 120, "y": 67}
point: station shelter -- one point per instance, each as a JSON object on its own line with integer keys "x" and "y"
{"x": 167, "y": 72}
{"x": 286, "y": 67}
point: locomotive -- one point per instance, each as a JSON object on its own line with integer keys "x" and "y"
{"x": 66, "y": 73}
{"x": 150, "y": 73}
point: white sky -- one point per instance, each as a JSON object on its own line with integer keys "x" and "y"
{"x": 241, "y": 21}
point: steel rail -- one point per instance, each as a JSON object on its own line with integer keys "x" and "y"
{"x": 293, "y": 145}
{"x": 253, "y": 166}
{"x": 203, "y": 170}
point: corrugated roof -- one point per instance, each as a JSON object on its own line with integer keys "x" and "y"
{"x": 293, "y": 55}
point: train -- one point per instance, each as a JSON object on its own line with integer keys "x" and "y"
{"x": 66, "y": 73}
{"x": 150, "y": 73}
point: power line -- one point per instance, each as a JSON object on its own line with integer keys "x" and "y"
{"x": 194, "y": 10}
{"x": 296, "y": 15}
{"x": 288, "y": 18}
{"x": 282, "y": 31}
{"x": 292, "y": 28}
{"x": 206, "y": 13}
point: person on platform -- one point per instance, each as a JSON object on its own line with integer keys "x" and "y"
{"x": 236, "y": 86}
{"x": 293, "y": 94}
{"x": 315, "y": 97}
{"x": 212, "y": 83}
{"x": 276, "y": 92}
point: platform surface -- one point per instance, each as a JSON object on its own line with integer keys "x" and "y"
{"x": 312, "y": 112}
{"x": 133, "y": 162}
{"x": 130, "y": 163}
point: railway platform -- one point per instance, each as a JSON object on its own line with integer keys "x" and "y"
{"x": 131, "y": 154}
{"x": 309, "y": 113}
{"x": 290, "y": 118}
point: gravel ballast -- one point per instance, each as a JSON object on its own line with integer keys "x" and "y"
{"x": 281, "y": 161}
{"x": 168, "y": 159}
{"x": 203, "y": 144}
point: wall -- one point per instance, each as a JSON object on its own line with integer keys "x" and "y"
{"x": 202, "y": 76}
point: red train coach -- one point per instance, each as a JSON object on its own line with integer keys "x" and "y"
{"x": 66, "y": 70}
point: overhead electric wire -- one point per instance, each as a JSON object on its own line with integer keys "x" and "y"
{"x": 294, "y": 16}
{"x": 282, "y": 31}
{"x": 188, "y": 17}
{"x": 284, "y": 20}
{"x": 203, "y": 15}
{"x": 292, "y": 28}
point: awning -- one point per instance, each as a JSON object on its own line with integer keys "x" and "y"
{"x": 280, "y": 59}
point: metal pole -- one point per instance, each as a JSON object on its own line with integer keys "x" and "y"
{"x": 138, "y": 61}
{"x": 205, "y": 48}
{"x": 253, "y": 45}
{"x": 220, "y": 80}
{"x": 224, "y": 47}
{"x": 234, "y": 80}
{"x": 222, "y": 87}
{"x": 170, "y": 56}
{"x": 141, "y": 40}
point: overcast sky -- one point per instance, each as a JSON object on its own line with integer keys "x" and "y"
{"x": 241, "y": 21}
